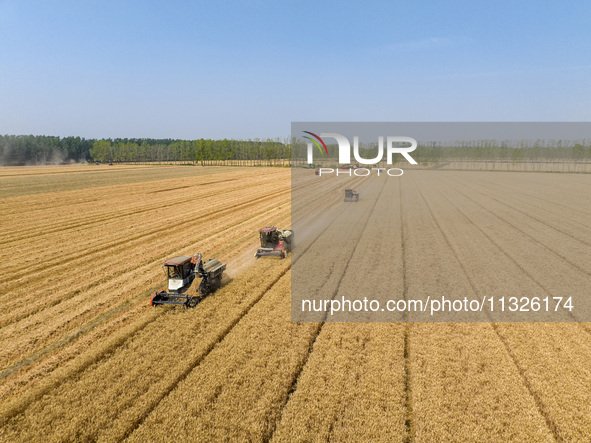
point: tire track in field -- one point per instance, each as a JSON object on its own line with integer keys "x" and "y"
{"x": 92, "y": 219}
{"x": 103, "y": 317}
{"x": 80, "y": 292}
{"x": 107, "y": 217}
{"x": 22, "y": 187}
{"x": 513, "y": 260}
{"x": 517, "y": 228}
{"x": 309, "y": 208}
{"x": 299, "y": 371}
{"x": 114, "y": 275}
{"x": 49, "y": 265}
{"x": 529, "y": 198}
{"x": 130, "y": 302}
{"x": 539, "y": 404}
{"x": 76, "y": 171}
{"x": 138, "y": 422}
{"x": 226, "y": 228}
{"x": 537, "y": 219}
{"x": 554, "y": 200}
{"x": 407, "y": 364}
{"x": 95, "y": 238}
{"x": 108, "y": 250}
{"x": 57, "y": 261}
{"x": 87, "y": 327}
{"x": 85, "y": 196}
{"x": 190, "y": 367}
{"x": 21, "y": 404}
{"x": 98, "y": 321}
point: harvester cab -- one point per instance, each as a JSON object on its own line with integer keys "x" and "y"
{"x": 181, "y": 271}
{"x": 274, "y": 242}
{"x": 351, "y": 195}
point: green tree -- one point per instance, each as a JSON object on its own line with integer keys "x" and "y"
{"x": 101, "y": 151}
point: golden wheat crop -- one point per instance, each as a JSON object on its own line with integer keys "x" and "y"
{"x": 83, "y": 356}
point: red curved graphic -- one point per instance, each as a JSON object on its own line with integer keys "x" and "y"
{"x": 319, "y": 139}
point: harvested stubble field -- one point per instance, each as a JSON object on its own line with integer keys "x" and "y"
{"x": 83, "y": 356}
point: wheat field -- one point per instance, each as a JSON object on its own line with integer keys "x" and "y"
{"x": 84, "y": 357}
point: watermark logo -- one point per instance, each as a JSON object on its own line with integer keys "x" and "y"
{"x": 315, "y": 142}
{"x": 393, "y": 146}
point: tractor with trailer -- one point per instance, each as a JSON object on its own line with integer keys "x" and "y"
{"x": 351, "y": 195}
{"x": 181, "y": 271}
{"x": 274, "y": 242}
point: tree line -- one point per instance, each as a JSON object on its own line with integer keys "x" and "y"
{"x": 40, "y": 149}
{"x": 474, "y": 150}
{"x": 493, "y": 150}
{"x": 34, "y": 150}
{"x": 202, "y": 151}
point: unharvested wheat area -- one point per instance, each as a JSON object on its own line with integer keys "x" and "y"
{"x": 83, "y": 356}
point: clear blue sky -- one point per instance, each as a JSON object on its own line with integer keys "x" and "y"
{"x": 245, "y": 69}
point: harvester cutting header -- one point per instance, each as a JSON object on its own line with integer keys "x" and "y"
{"x": 274, "y": 242}
{"x": 181, "y": 272}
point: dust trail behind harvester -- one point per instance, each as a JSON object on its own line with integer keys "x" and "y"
{"x": 242, "y": 260}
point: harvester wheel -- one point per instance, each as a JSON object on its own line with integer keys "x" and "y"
{"x": 203, "y": 289}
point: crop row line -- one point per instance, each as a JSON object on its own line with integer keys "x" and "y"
{"x": 138, "y": 422}
{"x": 513, "y": 260}
{"x": 130, "y": 302}
{"x": 541, "y": 408}
{"x": 108, "y": 348}
{"x": 315, "y": 336}
{"x": 109, "y": 251}
{"x": 98, "y": 218}
{"x": 537, "y": 219}
{"x": 517, "y": 228}
{"x": 23, "y": 404}
{"x": 408, "y": 422}
{"x": 69, "y": 260}
{"x": 100, "y": 318}
{"x": 193, "y": 364}
{"x": 555, "y": 201}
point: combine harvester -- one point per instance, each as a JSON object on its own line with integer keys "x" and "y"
{"x": 351, "y": 195}
{"x": 274, "y": 242}
{"x": 181, "y": 272}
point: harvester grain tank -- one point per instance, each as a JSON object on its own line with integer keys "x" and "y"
{"x": 181, "y": 271}
{"x": 274, "y": 242}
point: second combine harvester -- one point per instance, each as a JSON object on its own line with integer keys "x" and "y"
{"x": 275, "y": 242}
